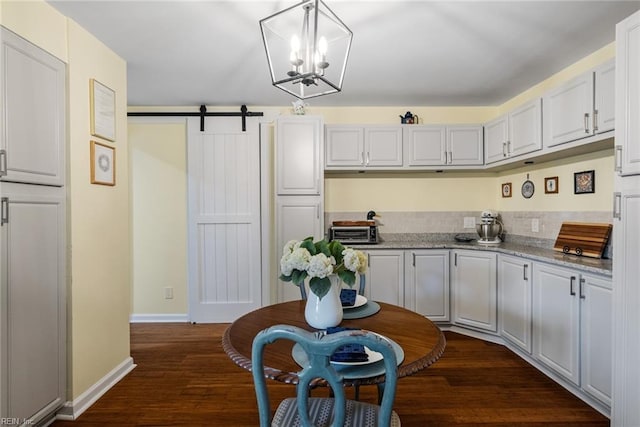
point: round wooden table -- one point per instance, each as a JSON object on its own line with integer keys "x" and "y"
{"x": 421, "y": 340}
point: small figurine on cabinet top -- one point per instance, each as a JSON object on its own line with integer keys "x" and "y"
{"x": 409, "y": 119}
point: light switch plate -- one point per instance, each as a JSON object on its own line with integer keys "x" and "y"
{"x": 535, "y": 225}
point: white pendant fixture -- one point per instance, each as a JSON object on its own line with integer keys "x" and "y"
{"x": 307, "y": 48}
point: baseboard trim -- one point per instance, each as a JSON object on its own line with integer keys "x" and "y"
{"x": 159, "y": 318}
{"x": 72, "y": 410}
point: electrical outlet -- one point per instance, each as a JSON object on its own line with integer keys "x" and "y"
{"x": 168, "y": 293}
{"x": 469, "y": 222}
{"x": 535, "y": 225}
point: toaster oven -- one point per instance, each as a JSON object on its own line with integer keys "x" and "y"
{"x": 354, "y": 234}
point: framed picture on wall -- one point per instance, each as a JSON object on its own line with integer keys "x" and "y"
{"x": 103, "y": 164}
{"x": 506, "y": 189}
{"x": 584, "y": 182}
{"x": 102, "y": 103}
{"x": 551, "y": 185}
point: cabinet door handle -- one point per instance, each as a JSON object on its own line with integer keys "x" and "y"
{"x": 524, "y": 272}
{"x": 4, "y": 210}
{"x": 586, "y": 122}
{"x": 617, "y": 205}
{"x": 455, "y": 260}
{"x": 582, "y": 295}
{"x": 362, "y": 158}
{"x": 508, "y": 148}
{"x": 413, "y": 258}
{"x": 617, "y": 159}
{"x": 367, "y": 162}
{"x": 504, "y": 149}
{"x": 595, "y": 120}
{"x": 3, "y": 162}
{"x": 572, "y": 291}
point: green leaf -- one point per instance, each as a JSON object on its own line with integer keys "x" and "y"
{"x": 323, "y": 247}
{"x": 348, "y": 277}
{"x": 298, "y": 277}
{"x": 319, "y": 286}
{"x": 285, "y": 278}
{"x": 336, "y": 248}
{"x": 308, "y": 245}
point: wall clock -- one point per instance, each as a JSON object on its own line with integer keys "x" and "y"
{"x": 528, "y": 188}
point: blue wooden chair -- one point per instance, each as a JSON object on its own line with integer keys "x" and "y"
{"x": 334, "y": 411}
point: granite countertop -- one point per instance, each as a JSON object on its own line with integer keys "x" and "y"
{"x": 514, "y": 245}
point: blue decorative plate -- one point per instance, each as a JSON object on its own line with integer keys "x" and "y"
{"x": 366, "y": 310}
{"x": 373, "y": 368}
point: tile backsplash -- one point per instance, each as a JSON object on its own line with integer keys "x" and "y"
{"x": 515, "y": 223}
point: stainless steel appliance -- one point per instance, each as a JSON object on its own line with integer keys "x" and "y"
{"x": 490, "y": 228}
{"x": 354, "y": 232}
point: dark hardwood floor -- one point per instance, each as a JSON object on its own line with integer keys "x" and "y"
{"x": 184, "y": 378}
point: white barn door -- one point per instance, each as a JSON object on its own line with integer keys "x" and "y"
{"x": 224, "y": 219}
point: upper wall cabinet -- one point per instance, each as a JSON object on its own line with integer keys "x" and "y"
{"x": 627, "y": 96}
{"x": 580, "y": 108}
{"x": 516, "y": 133}
{"x": 299, "y": 155}
{"x": 604, "y": 103}
{"x": 433, "y": 145}
{"x": 32, "y": 140}
{"x": 358, "y": 147}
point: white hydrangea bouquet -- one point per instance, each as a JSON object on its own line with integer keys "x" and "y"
{"x": 319, "y": 260}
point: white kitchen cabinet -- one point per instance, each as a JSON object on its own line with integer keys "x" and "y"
{"x": 581, "y": 107}
{"x": 567, "y": 111}
{"x": 556, "y": 319}
{"x": 32, "y": 142}
{"x": 298, "y": 152}
{"x": 298, "y": 217}
{"x": 344, "y": 145}
{"x": 514, "y": 283}
{"x": 474, "y": 289}
{"x": 525, "y": 128}
{"x": 596, "y": 329}
{"x": 425, "y": 145}
{"x": 604, "y": 113}
{"x": 382, "y": 146}
{"x": 352, "y": 146}
{"x": 385, "y": 276}
{"x": 625, "y": 411}
{"x": 433, "y": 145}
{"x": 496, "y": 138}
{"x": 33, "y": 301}
{"x": 628, "y": 96}
{"x": 516, "y": 133}
{"x": 426, "y": 289}
{"x": 465, "y": 145}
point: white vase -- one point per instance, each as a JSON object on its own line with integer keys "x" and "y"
{"x": 325, "y": 312}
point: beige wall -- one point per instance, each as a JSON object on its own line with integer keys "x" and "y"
{"x": 99, "y": 254}
{"x": 159, "y": 216}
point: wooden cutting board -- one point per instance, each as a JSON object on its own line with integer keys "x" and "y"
{"x": 353, "y": 223}
{"x": 583, "y": 238}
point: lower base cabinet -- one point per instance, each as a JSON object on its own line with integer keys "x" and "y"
{"x": 572, "y": 326}
{"x": 474, "y": 289}
{"x": 427, "y": 283}
{"x": 385, "y": 276}
{"x": 414, "y": 279}
{"x": 514, "y": 283}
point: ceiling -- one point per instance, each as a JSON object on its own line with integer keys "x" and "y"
{"x": 404, "y": 53}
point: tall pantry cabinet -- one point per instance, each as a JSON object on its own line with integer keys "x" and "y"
{"x": 32, "y": 232}
{"x": 626, "y": 268}
{"x": 299, "y": 179}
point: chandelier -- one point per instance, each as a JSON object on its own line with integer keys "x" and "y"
{"x": 307, "y": 48}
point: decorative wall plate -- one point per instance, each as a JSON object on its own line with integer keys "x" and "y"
{"x": 528, "y": 188}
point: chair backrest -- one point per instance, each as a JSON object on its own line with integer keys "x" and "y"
{"x": 319, "y": 348}
{"x": 361, "y": 286}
